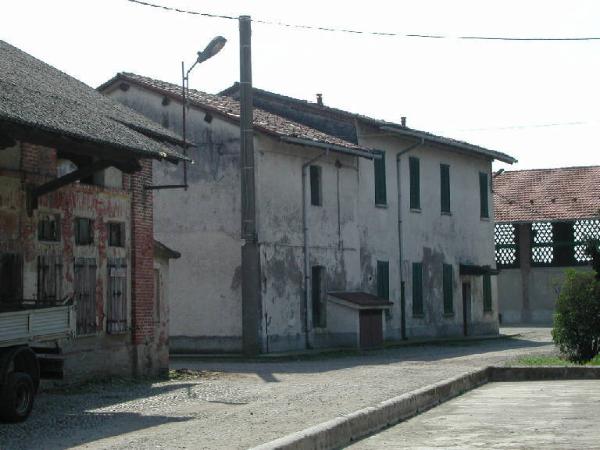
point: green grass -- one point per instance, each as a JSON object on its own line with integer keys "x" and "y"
{"x": 551, "y": 360}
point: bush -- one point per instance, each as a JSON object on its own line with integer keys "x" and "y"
{"x": 577, "y": 318}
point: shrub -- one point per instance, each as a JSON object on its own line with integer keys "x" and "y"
{"x": 593, "y": 250}
{"x": 577, "y": 318}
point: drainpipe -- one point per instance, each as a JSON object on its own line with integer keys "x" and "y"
{"x": 305, "y": 233}
{"x": 400, "y": 248}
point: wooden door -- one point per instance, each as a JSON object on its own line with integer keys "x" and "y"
{"x": 371, "y": 328}
{"x": 466, "y": 298}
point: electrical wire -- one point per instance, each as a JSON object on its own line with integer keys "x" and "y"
{"x": 372, "y": 33}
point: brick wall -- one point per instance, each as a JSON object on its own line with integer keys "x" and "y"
{"x": 142, "y": 242}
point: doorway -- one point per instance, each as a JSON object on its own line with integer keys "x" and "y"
{"x": 466, "y": 298}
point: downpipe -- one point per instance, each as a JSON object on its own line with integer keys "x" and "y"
{"x": 307, "y": 277}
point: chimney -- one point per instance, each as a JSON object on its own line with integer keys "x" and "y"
{"x": 403, "y": 121}
{"x": 320, "y": 99}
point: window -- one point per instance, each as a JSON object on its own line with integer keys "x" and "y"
{"x": 116, "y": 234}
{"x": 49, "y": 278}
{"x": 318, "y": 297}
{"x": 383, "y": 280}
{"x": 11, "y": 278}
{"x": 448, "y": 287}
{"x": 487, "y": 293}
{"x": 84, "y": 231}
{"x": 316, "y": 192}
{"x": 116, "y": 317}
{"x": 417, "y": 289}
{"x": 380, "y": 188}
{"x": 483, "y": 195}
{"x": 415, "y": 183}
{"x": 445, "y": 187}
{"x": 84, "y": 281}
{"x": 49, "y": 228}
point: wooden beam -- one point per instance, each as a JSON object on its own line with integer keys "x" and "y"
{"x": 36, "y": 192}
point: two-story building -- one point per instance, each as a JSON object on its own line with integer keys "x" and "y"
{"x": 340, "y": 263}
{"x": 76, "y": 216}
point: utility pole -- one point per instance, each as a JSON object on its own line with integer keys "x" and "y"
{"x": 251, "y": 295}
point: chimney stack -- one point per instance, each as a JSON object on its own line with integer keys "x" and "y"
{"x": 320, "y": 99}
{"x": 403, "y": 121}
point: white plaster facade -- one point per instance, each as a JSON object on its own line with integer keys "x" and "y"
{"x": 347, "y": 235}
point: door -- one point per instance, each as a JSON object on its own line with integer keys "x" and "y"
{"x": 466, "y": 298}
{"x": 371, "y": 328}
{"x": 84, "y": 281}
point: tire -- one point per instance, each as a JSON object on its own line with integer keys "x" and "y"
{"x": 17, "y": 397}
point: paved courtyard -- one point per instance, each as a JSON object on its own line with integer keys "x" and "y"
{"x": 547, "y": 414}
{"x": 240, "y": 404}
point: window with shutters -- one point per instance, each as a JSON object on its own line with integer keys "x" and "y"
{"x": 116, "y": 234}
{"x": 316, "y": 186}
{"x": 49, "y": 228}
{"x": 49, "y": 278}
{"x": 448, "y": 287}
{"x": 487, "y": 293}
{"x": 318, "y": 297}
{"x": 417, "y": 289}
{"x": 415, "y": 182}
{"x": 11, "y": 278}
{"x": 84, "y": 231}
{"x": 116, "y": 321}
{"x": 484, "y": 195}
{"x": 380, "y": 183}
{"x": 84, "y": 280}
{"x": 445, "y": 188}
{"x": 383, "y": 280}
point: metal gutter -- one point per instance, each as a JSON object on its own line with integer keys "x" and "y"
{"x": 469, "y": 148}
{"x": 400, "y": 247}
{"x": 307, "y": 277}
{"x": 331, "y": 147}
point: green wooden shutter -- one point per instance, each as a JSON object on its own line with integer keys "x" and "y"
{"x": 417, "y": 289}
{"x": 448, "y": 281}
{"x": 415, "y": 183}
{"x": 383, "y": 280}
{"x": 315, "y": 186}
{"x": 445, "y": 187}
{"x": 483, "y": 194}
{"x": 380, "y": 188}
{"x": 487, "y": 293}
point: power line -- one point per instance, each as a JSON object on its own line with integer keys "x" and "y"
{"x": 372, "y": 33}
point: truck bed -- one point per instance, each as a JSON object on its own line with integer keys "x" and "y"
{"x": 23, "y": 326}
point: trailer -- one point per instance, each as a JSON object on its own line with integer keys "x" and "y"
{"x": 29, "y": 350}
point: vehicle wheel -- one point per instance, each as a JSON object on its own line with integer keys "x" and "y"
{"x": 17, "y": 397}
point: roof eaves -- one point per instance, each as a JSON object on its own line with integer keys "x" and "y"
{"x": 363, "y": 153}
{"x": 463, "y": 146}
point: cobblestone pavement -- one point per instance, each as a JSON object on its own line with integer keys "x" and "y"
{"x": 240, "y": 404}
{"x": 517, "y": 415}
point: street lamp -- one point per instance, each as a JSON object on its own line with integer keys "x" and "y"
{"x": 213, "y": 47}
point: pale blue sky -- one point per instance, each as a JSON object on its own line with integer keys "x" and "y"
{"x": 503, "y": 95}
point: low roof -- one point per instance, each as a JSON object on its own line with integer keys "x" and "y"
{"x": 161, "y": 250}
{"x": 568, "y": 193}
{"x": 229, "y": 108}
{"x": 34, "y": 94}
{"x": 349, "y": 117}
{"x": 361, "y": 299}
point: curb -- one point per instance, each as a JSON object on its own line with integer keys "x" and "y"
{"x": 342, "y": 430}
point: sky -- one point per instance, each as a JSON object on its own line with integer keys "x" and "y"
{"x": 537, "y": 101}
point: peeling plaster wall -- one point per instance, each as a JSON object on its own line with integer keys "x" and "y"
{"x": 99, "y": 354}
{"x": 428, "y": 236}
{"x": 202, "y": 222}
{"x": 333, "y": 238}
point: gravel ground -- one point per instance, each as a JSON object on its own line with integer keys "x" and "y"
{"x": 230, "y": 405}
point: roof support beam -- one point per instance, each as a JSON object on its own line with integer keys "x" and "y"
{"x": 34, "y": 193}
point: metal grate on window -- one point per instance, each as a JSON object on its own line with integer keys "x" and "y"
{"x": 505, "y": 236}
{"x": 542, "y": 251}
{"x": 117, "y": 296}
{"x": 582, "y": 231}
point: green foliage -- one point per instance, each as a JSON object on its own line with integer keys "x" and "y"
{"x": 577, "y": 318}
{"x": 593, "y": 249}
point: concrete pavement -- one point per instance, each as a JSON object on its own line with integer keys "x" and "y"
{"x": 547, "y": 414}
